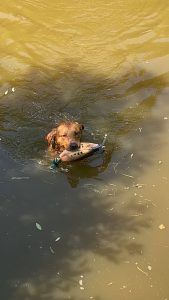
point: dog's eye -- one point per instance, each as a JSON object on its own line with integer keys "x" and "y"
{"x": 63, "y": 135}
{"x": 76, "y": 133}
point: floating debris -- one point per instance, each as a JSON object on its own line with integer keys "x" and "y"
{"x": 140, "y": 129}
{"x": 51, "y": 250}
{"x": 20, "y": 178}
{"x": 38, "y": 226}
{"x": 110, "y": 283}
{"x": 131, "y": 155}
{"x": 115, "y": 166}
{"x": 65, "y": 170}
{"x": 160, "y": 162}
{"x": 57, "y": 239}
{"x": 130, "y": 176}
{"x": 81, "y": 282}
{"x": 161, "y": 226}
{"x": 13, "y": 89}
{"x": 165, "y": 118}
{"x": 149, "y": 268}
{"x": 6, "y": 92}
{"x": 145, "y": 273}
{"x": 139, "y": 186}
{"x": 123, "y": 287}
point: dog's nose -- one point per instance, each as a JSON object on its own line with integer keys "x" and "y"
{"x": 73, "y": 146}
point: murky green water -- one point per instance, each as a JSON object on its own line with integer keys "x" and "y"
{"x": 104, "y": 221}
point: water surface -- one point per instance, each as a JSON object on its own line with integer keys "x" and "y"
{"x": 98, "y": 228}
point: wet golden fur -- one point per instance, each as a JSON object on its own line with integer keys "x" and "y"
{"x": 66, "y": 135}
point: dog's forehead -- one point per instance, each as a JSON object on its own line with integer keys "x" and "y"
{"x": 69, "y": 126}
{"x": 75, "y": 126}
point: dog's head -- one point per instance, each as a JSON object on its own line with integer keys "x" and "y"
{"x": 66, "y": 135}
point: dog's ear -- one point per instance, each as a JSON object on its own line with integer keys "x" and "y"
{"x": 81, "y": 127}
{"x": 51, "y": 137}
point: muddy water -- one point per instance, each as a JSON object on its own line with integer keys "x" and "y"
{"x": 98, "y": 228}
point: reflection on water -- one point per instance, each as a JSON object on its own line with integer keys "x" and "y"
{"x": 105, "y": 65}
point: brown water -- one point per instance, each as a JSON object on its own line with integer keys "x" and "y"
{"x": 104, "y": 221}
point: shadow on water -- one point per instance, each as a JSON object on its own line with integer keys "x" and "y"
{"x": 32, "y": 261}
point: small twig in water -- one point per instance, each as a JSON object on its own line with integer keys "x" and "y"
{"x": 130, "y": 176}
{"x": 114, "y": 167}
{"x": 145, "y": 273}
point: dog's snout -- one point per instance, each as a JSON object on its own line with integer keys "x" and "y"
{"x": 73, "y": 146}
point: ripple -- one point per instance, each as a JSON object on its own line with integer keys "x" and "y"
{"x": 13, "y": 18}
